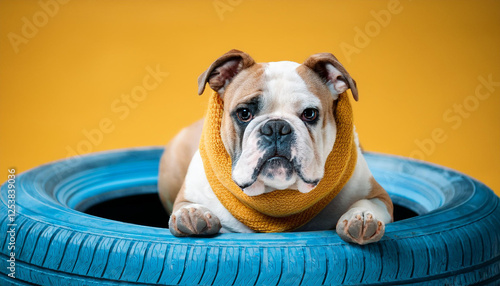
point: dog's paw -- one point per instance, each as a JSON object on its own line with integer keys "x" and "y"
{"x": 360, "y": 226}
{"x": 193, "y": 220}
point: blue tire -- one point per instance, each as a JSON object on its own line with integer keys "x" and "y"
{"x": 454, "y": 240}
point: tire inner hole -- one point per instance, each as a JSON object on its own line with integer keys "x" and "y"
{"x": 147, "y": 210}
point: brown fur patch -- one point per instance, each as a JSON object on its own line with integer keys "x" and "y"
{"x": 377, "y": 192}
{"x": 245, "y": 85}
{"x": 175, "y": 162}
{"x": 316, "y": 86}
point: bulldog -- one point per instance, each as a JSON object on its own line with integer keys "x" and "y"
{"x": 294, "y": 161}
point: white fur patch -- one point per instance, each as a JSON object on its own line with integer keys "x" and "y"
{"x": 198, "y": 191}
{"x": 376, "y": 207}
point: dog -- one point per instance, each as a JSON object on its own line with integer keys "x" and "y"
{"x": 279, "y": 126}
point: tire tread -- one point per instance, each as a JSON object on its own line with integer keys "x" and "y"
{"x": 459, "y": 244}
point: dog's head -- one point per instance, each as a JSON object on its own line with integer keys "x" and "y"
{"x": 278, "y": 124}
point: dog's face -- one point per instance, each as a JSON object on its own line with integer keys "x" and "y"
{"x": 278, "y": 124}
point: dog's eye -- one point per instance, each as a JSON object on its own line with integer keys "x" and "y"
{"x": 244, "y": 114}
{"x": 309, "y": 114}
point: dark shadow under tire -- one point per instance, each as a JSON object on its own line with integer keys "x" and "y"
{"x": 454, "y": 240}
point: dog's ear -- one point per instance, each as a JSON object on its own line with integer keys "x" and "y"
{"x": 333, "y": 73}
{"x": 224, "y": 69}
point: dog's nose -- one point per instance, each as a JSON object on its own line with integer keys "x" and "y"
{"x": 277, "y": 127}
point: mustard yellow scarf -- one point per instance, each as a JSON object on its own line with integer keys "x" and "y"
{"x": 280, "y": 210}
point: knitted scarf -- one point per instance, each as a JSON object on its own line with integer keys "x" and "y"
{"x": 280, "y": 210}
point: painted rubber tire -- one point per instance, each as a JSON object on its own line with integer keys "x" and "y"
{"x": 454, "y": 240}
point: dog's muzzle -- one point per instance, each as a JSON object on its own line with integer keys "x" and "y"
{"x": 276, "y": 138}
{"x": 276, "y": 141}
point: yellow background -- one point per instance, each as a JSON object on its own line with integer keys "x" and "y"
{"x": 66, "y": 76}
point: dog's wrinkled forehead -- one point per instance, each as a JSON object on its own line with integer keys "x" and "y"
{"x": 276, "y": 72}
{"x": 279, "y": 85}
{"x": 286, "y": 87}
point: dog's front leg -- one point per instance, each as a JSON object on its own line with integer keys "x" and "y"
{"x": 191, "y": 219}
{"x": 365, "y": 220}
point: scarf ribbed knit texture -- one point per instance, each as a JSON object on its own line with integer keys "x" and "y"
{"x": 280, "y": 210}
